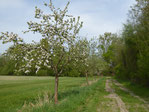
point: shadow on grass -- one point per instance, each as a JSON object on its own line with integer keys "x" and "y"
{"x": 68, "y": 93}
{"x": 75, "y": 91}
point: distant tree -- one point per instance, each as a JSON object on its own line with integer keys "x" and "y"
{"x": 6, "y": 65}
{"x": 82, "y": 51}
{"x": 105, "y": 42}
{"x": 96, "y": 63}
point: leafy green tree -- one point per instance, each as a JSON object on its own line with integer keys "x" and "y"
{"x": 6, "y": 65}
{"x": 106, "y": 48}
{"x": 130, "y": 52}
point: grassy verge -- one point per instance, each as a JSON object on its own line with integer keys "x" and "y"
{"x": 132, "y": 104}
{"x": 73, "y": 97}
{"x": 80, "y": 99}
{"x": 15, "y": 90}
{"x": 137, "y": 89}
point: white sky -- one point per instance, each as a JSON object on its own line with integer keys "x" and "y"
{"x": 99, "y": 16}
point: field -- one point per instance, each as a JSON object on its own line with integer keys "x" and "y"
{"x": 15, "y": 90}
{"x": 24, "y": 94}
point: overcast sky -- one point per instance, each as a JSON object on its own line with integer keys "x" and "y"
{"x": 99, "y": 16}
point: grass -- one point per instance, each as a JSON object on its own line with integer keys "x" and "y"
{"x": 15, "y": 90}
{"x": 73, "y": 97}
{"x": 80, "y": 99}
{"x": 137, "y": 89}
{"x": 133, "y": 104}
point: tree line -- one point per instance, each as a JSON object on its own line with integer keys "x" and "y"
{"x": 129, "y": 53}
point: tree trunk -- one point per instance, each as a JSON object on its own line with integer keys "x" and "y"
{"x": 98, "y": 73}
{"x": 86, "y": 74}
{"x": 56, "y": 89}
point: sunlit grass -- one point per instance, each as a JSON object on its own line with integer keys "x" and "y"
{"x": 15, "y": 90}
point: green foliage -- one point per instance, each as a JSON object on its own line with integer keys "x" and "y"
{"x": 132, "y": 58}
{"x": 6, "y": 66}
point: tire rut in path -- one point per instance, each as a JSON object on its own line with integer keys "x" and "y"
{"x": 114, "y": 96}
{"x": 146, "y": 104}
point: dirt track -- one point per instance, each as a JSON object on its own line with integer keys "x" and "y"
{"x": 113, "y": 95}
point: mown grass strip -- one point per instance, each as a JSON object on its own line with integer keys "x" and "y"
{"x": 73, "y": 100}
{"x": 13, "y": 93}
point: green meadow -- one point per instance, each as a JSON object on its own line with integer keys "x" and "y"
{"x": 15, "y": 90}
{"x": 35, "y": 94}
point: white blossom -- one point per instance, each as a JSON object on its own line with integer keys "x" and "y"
{"x": 27, "y": 71}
